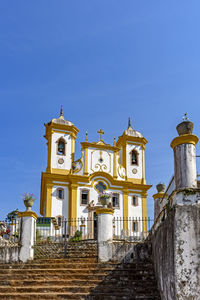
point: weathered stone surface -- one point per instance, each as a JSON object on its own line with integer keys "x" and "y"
{"x": 176, "y": 253}
{"x": 185, "y": 166}
{"x": 163, "y": 257}
{"x": 9, "y": 253}
{"x": 187, "y": 251}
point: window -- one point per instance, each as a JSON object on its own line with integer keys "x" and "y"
{"x": 60, "y": 193}
{"x": 61, "y": 147}
{"x": 115, "y": 200}
{"x": 134, "y": 157}
{"x": 135, "y": 226}
{"x": 84, "y": 197}
{"x": 100, "y": 187}
{"x": 135, "y": 200}
{"x": 59, "y": 220}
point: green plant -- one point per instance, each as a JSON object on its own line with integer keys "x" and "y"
{"x": 77, "y": 236}
{"x": 28, "y": 196}
{"x": 187, "y": 192}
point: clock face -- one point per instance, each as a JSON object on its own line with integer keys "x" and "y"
{"x": 134, "y": 171}
{"x": 61, "y": 161}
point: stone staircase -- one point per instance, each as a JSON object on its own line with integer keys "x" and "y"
{"x": 77, "y": 277}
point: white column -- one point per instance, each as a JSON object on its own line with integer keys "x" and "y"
{"x": 28, "y": 235}
{"x": 105, "y": 233}
{"x": 185, "y": 173}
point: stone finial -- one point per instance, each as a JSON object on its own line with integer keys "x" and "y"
{"x": 61, "y": 111}
{"x": 160, "y": 187}
{"x": 114, "y": 143}
{"x": 86, "y": 136}
{"x": 129, "y": 122}
{"x": 185, "y": 127}
{"x": 61, "y": 114}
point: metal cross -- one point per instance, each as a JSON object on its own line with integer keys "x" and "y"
{"x": 101, "y": 132}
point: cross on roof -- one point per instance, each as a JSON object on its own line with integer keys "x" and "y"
{"x": 101, "y": 132}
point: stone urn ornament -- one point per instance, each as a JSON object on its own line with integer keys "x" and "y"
{"x": 185, "y": 127}
{"x": 160, "y": 187}
{"x": 105, "y": 199}
{"x": 28, "y": 201}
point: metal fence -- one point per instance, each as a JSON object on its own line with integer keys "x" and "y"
{"x": 58, "y": 230}
{"x": 131, "y": 229}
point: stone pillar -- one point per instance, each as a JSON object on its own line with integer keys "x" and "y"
{"x": 176, "y": 244}
{"x": 157, "y": 199}
{"x": 28, "y": 235}
{"x": 105, "y": 233}
{"x": 184, "y": 147}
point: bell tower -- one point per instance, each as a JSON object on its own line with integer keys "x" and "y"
{"x": 61, "y": 135}
{"x": 132, "y": 147}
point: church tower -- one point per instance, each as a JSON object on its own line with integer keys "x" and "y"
{"x": 61, "y": 135}
{"x": 132, "y": 147}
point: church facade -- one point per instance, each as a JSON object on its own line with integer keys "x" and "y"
{"x": 70, "y": 188}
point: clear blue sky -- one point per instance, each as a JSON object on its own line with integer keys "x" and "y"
{"x": 104, "y": 61}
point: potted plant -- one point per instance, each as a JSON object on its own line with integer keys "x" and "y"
{"x": 105, "y": 198}
{"x": 28, "y": 201}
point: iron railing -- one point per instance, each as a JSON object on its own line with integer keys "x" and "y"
{"x": 131, "y": 229}
{"x": 61, "y": 230}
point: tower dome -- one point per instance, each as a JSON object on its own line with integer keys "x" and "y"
{"x": 61, "y": 119}
{"x": 131, "y": 132}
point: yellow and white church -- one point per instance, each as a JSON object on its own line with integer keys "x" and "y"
{"x": 70, "y": 189}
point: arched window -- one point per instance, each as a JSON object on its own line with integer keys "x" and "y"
{"x": 135, "y": 200}
{"x": 100, "y": 187}
{"x": 60, "y": 193}
{"x": 61, "y": 147}
{"x": 134, "y": 157}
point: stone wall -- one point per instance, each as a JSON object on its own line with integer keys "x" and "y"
{"x": 176, "y": 251}
{"x": 9, "y": 254}
{"x": 163, "y": 256}
{"x": 127, "y": 251}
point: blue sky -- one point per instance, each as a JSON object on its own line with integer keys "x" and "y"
{"x": 104, "y": 61}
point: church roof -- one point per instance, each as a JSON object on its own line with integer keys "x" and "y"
{"x": 61, "y": 119}
{"x": 131, "y": 132}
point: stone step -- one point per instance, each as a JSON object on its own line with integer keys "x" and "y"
{"x": 120, "y": 296}
{"x": 54, "y": 266}
{"x": 57, "y": 271}
{"x": 70, "y": 296}
{"x": 44, "y": 289}
{"x": 41, "y": 296}
{"x": 63, "y": 260}
{"x": 78, "y": 281}
{"x": 100, "y": 276}
{"x": 83, "y": 264}
{"x": 112, "y": 290}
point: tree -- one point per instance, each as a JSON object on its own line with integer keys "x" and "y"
{"x": 12, "y": 215}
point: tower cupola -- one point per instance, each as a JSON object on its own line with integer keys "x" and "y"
{"x": 61, "y": 135}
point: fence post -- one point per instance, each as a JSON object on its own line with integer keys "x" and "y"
{"x": 105, "y": 233}
{"x": 28, "y": 235}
